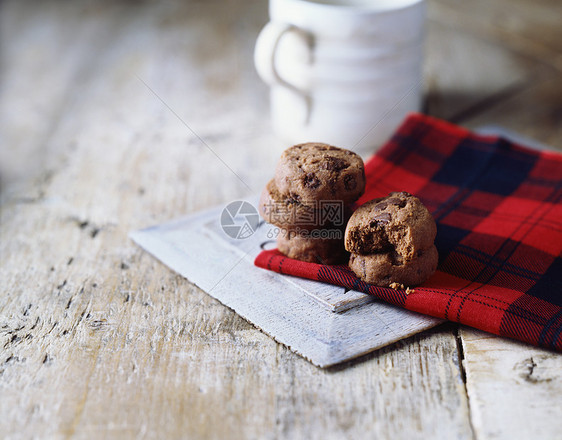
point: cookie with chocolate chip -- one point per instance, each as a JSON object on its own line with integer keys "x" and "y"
{"x": 313, "y": 249}
{"x": 397, "y": 223}
{"x": 283, "y": 210}
{"x": 317, "y": 171}
{"x": 384, "y": 269}
{"x": 292, "y": 211}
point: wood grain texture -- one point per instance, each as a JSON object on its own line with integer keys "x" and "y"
{"x": 464, "y": 74}
{"x": 507, "y": 381}
{"x": 97, "y": 338}
{"x": 535, "y": 111}
{"x": 276, "y": 304}
{"x": 333, "y": 298}
{"x": 529, "y": 28}
{"x": 112, "y": 115}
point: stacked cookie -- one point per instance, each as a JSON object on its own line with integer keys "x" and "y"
{"x": 309, "y": 198}
{"x": 391, "y": 240}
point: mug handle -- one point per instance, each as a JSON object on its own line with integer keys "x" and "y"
{"x": 265, "y": 51}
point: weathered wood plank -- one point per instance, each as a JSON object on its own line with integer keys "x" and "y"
{"x": 99, "y": 340}
{"x": 529, "y": 28}
{"x": 332, "y": 297}
{"x": 515, "y": 390}
{"x": 466, "y": 73}
{"x": 282, "y": 308}
{"x": 47, "y": 54}
{"x": 535, "y": 112}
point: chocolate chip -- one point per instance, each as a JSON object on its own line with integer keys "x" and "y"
{"x": 380, "y": 206}
{"x": 393, "y": 201}
{"x": 293, "y": 198}
{"x": 311, "y": 181}
{"x": 383, "y": 217}
{"x": 380, "y": 219}
{"x": 350, "y": 182}
{"x": 396, "y": 201}
{"x": 334, "y": 164}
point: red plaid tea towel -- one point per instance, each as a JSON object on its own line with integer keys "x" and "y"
{"x": 498, "y": 208}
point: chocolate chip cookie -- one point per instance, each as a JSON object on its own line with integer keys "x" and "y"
{"x": 384, "y": 269}
{"x": 291, "y": 211}
{"x": 317, "y": 171}
{"x": 399, "y": 222}
{"x": 313, "y": 250}
{"x": 391, "y": 241}
{"x": 285, "y": 210}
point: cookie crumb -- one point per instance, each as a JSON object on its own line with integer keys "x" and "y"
{"x": 398, "y": 286}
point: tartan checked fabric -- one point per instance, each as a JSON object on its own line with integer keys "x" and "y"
{"x": 498, "y": 208}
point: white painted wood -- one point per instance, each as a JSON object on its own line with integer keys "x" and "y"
{"x": 335, "y": 298}
{"x": 284, "y": 311}
{"x": 338, "y": 299}
{"x": 99, "y": 340}
{"x": 514, "y": 389}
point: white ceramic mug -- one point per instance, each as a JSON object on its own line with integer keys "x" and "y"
{"x": 342, "y": 72}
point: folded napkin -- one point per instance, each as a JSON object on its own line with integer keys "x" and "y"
{"x": 498, "y": 208}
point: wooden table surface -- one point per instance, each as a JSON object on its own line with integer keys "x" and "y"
{"x": 107, "y": 113}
